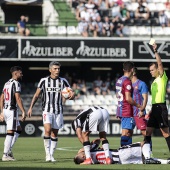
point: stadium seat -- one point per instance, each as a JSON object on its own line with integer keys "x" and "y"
{"x": 71, "y": 30}
{"x": 157, "y": 30}
{"x": 166, "y": 30}
{"x": 69, "y": 102}
{"x": 137, "y": 22}
{"x": 160, "y": 6}
{"x": 133, "y": 30}
{"x": 77, "y": 31}
{"x": 78, "y": 102}
{"x": 134, "y": 6}
{"x": 61, "y": 30}
{"x": 152, "y": 7}
{"x": 52, "y": 30}
{"x": 141, "y": 30}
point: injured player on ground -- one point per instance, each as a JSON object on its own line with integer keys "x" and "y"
{"x": 135, "y": 153}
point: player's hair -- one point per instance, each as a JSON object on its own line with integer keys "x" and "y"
{"x": 154, "y": 63}
{"x": 54, "y": 63}
{"x": 127, "y": 66}
{"x": 135, "y": 71}
{"x": 15, "y": 68}
{"x": 78, "y": 160}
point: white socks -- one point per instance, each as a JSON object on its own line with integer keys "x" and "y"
{"x": 146, "y": 150}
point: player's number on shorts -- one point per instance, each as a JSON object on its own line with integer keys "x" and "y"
{"x": 6, "y": 92}
{"x": 119, "y": 94}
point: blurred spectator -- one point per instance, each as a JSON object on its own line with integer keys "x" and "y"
{"x": 115, "y": 10}
{"x": 76, "y": 90}
{"x": 96, "y": 27}
{"x": 118, "y": 26}
{"x": 124, "y": 13}
{"x": 97, "y": 90}
{"x": 83, "y": 14}
{"x": 163, "y": 19}
{"x": 103, "y": 8}
{"x": 98, "y": 82}
{"x": 107, "y": 27}
{"x": 83, "y": 27}
{"x": 142, "y": 12}
{"x": 90, "y": 6}
{"x": 104, "y": 89}
{"x": 82, "y": 85}
{"x": 21, "y": 24}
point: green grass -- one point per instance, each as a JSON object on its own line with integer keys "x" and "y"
{"x": 30, "y": 155}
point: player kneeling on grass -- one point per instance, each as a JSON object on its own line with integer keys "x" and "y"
{"x": 90, "y": 120}
{"x": 130, "y": 154}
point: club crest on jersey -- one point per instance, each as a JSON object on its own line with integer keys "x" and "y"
{"x": 53, "y": 89}
{"x": 128, "y": 87}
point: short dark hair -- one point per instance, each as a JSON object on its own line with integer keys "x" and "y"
{"x": 54, "y": 63}
{"x": 78, "y": 160}
{"x": 154, "y": 63}
{"x": 128, "y": 65}
{"x": 135, "y": 71}
{"x": 15, "y": 68}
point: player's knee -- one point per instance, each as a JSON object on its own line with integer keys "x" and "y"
{"x": 147, "y": 139}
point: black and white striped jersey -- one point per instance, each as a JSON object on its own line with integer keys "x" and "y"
{"x": 51, "y": 93}
{"x": 10, "y": 88}
{"x": 83, "y": 116}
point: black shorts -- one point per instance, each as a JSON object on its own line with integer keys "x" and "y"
{"x": 159, "y": 116}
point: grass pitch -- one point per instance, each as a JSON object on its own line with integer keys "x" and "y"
{"x": 30, "y": 155}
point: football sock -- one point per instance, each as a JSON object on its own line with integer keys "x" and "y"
{"x": 125, "y": 140}
{"x": 105, "y": 145}
{"x": 53, "y": 145}
{"x": 16, "y": 135}
{"x": 146, "y": 150}
{"x": 87, "y": 149}
{"x": 7, "y": 143}
{"x": 168, "y": 142}
{"x": 47, "y": 140}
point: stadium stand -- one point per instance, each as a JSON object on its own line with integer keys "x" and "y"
{"x": 64, "y": 13}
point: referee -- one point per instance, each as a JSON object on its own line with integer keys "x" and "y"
{"x": 159, "y": 113}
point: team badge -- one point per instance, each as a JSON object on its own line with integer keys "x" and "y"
{"x": 128, "y": 87}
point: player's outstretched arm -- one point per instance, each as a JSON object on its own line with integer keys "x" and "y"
{"x": 158, "y": 59}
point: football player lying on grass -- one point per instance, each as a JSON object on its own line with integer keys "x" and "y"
{"x": 136, "y": 153}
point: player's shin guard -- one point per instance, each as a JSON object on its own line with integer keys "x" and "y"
{"x": 105, "y": 145}
{"x": 125, "y": 140}
{"x": 7, "y": 143}
{"x": 47, "y": 140}
{"x": 53, "y": 145}
{"x": 168, "y": 142}
{"x": 87, "y": 149}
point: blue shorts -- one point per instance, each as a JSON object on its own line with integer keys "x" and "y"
{"x": 128, "y": 123}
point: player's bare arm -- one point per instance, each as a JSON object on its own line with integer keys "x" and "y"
{"x": 158, "y": 59}
{"x": 34, "y": 100}
{"x": 1, "y": 107}
{"x": 131, "y": 101}
{"x": 20, "y": 104}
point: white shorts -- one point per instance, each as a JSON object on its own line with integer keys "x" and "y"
{"x": 11, "y": 119}
{"x": 131, "y": 154}
{"x": 56, "y": 120}
{"x": 95, "y": 122}
{"x": 106, "y": 118}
